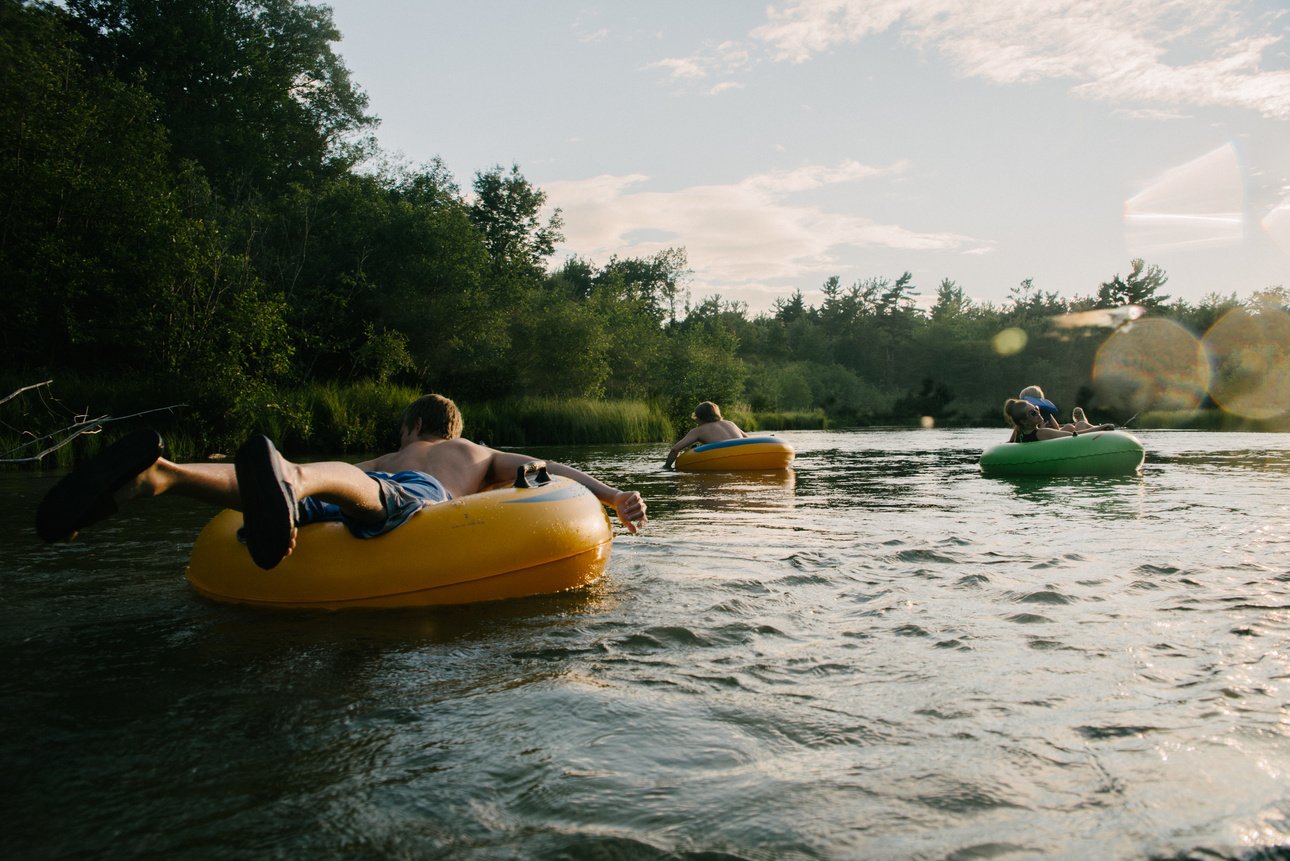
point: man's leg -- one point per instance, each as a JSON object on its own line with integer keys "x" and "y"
{"x": 269, "y": 486}
{"x": 129, "y": 468}
{"x": 262, "y": 484}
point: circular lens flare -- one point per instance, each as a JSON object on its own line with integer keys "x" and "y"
{"x": 1250, "y": 354}
{"x": 1151, "y": 364}
{"x": 1010, "y": 341}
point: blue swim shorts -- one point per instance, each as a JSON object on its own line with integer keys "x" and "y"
{"x": 403, "y": 494}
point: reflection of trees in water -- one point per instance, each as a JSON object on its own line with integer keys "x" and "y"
{"x": 1259, "y": 461}
{"x": 773, "y": 490}
{"x": 882, "y": 477}
{"x": 1059, "y": 490}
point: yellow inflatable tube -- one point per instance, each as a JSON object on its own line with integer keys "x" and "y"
{"x": 506, "y": 543}
{"x": 733, "y": 455}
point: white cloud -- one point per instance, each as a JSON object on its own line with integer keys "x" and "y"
{"x": 737, "y": 236}
{"x": 1151, "y": 114}
{"x": 1113, "y": 50}
{"x": 720, "y": 60}
{"x": 797, "y": 31}
{"x": 683, "y": 67}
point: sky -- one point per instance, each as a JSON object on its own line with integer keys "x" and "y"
{"x": 783, "y": 143}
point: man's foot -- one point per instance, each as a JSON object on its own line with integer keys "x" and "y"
{"x": 84, "y": 496}
{"x": 268, "y": 502}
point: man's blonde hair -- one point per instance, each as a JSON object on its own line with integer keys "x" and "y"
{"x": 438, "y": 416}
{"x": 707, "y": 412}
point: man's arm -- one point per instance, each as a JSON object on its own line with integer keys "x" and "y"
{"x": 685, "y": 442}
{"x": 627, "y": 504}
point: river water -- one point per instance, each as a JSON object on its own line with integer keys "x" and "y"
{"x": 878, "y": 654}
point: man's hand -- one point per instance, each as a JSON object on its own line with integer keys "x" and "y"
{"x": 630, "y": 508}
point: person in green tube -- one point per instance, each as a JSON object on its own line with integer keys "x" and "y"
{"x": 1029, "y": 424}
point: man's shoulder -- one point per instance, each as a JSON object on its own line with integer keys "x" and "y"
{"x": 719, "y": 431}
{"x": 455, "y": 447}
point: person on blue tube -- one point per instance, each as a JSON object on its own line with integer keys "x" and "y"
{"x": 711, "y": 428}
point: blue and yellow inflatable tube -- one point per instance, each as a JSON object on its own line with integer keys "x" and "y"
{"x": 749, "y": 453}
{"x": 506, "y": 543}
{"x": 1106, "y": 453}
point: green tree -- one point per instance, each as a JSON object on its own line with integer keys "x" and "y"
{"x": 790, "y": 309}
{"x": 106, "y": 263}
{"x": 703, "y": 362}
{"x": 431, "y": 271}
{"x": 507, "y": 211}
{"x": 251, "y": 90}
{"x": 652, "y": 284}
{"x": 951, "y": 302}
{"x": 1029, "y": 305}
{"x": 1140, "y": 287}
{"x": 560, "y": 348}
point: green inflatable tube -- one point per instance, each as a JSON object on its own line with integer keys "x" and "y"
{"x": 1092, "y": 453}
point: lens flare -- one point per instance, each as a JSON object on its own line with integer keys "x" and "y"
{"x": 1194, "y": 205}
{"x": 1250, "y": 355}
{"x": 1277, "y": 225}
{"x": 1106, "y": 318}
{"x": 1155, "y": 364}
{"x": 1010, "y": 341}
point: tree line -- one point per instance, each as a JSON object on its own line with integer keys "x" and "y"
{"x": 193, "y": 209}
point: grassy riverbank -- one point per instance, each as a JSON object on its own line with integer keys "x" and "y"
{"x": 327, "y": 420}
{"x": 337, "y": 420}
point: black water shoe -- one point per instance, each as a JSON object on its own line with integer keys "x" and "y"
{"x": 268, "y": 504}
{"x": 84, "y": 496}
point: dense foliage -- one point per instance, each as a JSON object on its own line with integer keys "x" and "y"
{"x": 188, "y": 208}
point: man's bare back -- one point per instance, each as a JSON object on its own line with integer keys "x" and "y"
{"x": 719, "y": 431}
{"x": 711, "y": 430}
{"x": 462, "y": 466}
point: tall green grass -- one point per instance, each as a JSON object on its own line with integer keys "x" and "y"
{"x": 317, "y": 419}
{"x": 179, "y": 447}
{"x": 358, "y": 417}
{"x": 814, "y": 420}
{"x": 329, "y": 419}
{"x": 538, "y": 421}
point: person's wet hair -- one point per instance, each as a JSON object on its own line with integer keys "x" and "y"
{"x": 707, "y": 412}
{"x": 1013, "y": 405}
{"x": 438, "y": 415}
